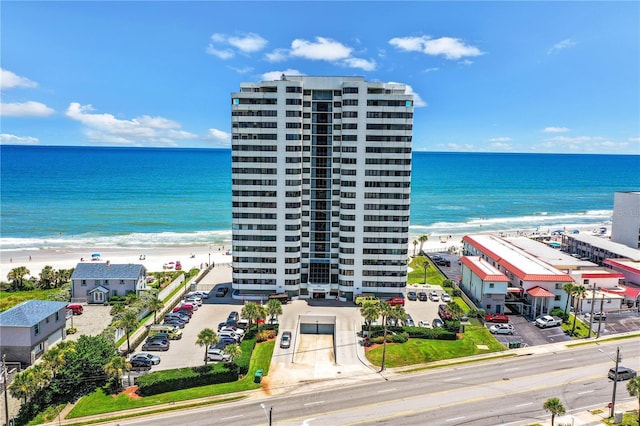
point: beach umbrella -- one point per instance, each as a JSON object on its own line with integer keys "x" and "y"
{"x": 95, "y": 255}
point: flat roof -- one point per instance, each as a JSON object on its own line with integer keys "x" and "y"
{"x": 606, "y": 244}
{"x": 483, "y": 269}
{"x": 517, "y": 261}
{"x": 628, "y": 265}
{"x": 553, "y": 257}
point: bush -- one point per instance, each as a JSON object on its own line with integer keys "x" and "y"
{"x": 184, "y": 378}
{"x": 265, "y": 335}
{"x": 558, "y": 312}
{"x": 457, "y": 292}
{"x": 430, "y": 333}
{"x": 72, "y": 330}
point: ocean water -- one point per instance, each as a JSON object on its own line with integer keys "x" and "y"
{"x": 57, "y": 197}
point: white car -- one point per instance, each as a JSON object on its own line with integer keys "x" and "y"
{"x": 215, "y": 354}
{"x": 193, "y": 299}
{"x": 425, "y": 324}
{"x": 501, "y": 329}
{"x": 446, "y": 297}
{"x": 235, "y": 330}
{"x": 434, "y": 296}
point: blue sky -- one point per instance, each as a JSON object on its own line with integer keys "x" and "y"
{"x": 488, "y": 76}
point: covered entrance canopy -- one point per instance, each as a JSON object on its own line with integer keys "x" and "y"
{"x": 538, "y": 293}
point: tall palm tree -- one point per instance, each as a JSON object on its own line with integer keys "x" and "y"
{"x": 425, "y": 266}
{"x": 633, "y": 387}
{"x": 385, "y": 312}
{"x": 370, "y": 311}
{"x": 155, "y": 305}
{"x": 274, "y": 308}
{"x": 207, "y": 337}
{"x": 16, "y": 276}
{"x": 54, "y": 358}
{"x": 415, "y": 244}
{"x": 261, "y": 311}
{"x": 115, "y": 368}
{"x": 580, "y": 292}
{"x": 555, "y": 407}
{"x": 398, "y": 314}
{"x": 423, "y": 239}
{"x": 128, "y": 321}
{"x": 250, "y": 312}
{"x": 569, "y": 289}
{"x": 23, "y": 386}
{"x": 47, "y": 278}
{"x": 233, "y": 350}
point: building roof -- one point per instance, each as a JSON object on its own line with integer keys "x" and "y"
{"x": 106, "y": 270}
{"x": 606, "y": 244}
{"x": 624, "y": 264}
{"x": 29, "y": 313}
{"x": 484, "y": 270}
{"x": 540, "y": 292}
{"x": 515, "y": 260}
{"x": 630, "y": 292}
{"x": 550, "y": 255}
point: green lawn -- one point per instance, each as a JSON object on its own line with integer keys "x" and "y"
{"x": 98, "y": 402}
{"x": 9, "y": 299}
{"x": 418, "y": 351}
{"x": 416, "y": 276}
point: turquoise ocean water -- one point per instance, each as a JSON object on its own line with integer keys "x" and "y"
{"x": 58, "y": 197}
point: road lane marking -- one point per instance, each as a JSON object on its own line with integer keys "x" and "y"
{"x": 386, "y": 390}
{"x": 452, "y": 379}
{"x": 583, "y": 392}
{"x": 314, "y": 403}
{"x": 512, "y": 369}
{"x": 565, "y": 360}
{"x": 454, "y": 419}
{"x": 524, "y": 405}
{"x": 232, "y": 417}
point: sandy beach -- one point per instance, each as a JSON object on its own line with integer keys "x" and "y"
{"x": 197, "y": 256}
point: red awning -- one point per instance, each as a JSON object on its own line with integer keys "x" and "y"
{"x": 632, "y": 292}
{"x": 540, "y": 292}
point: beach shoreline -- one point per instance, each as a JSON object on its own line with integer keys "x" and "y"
{"x": 198, "y": 255}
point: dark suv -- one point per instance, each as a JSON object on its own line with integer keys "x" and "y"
{"x": 422, "y": 296}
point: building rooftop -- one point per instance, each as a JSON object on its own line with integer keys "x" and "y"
{"x": 606, "y": 244}
{"x": 517, "y": 261}
{"x": 553, "y": 257}
{"x": 105, "y": 270}
{"x": 483, "y": 269}
{"x": 29, "y": 313}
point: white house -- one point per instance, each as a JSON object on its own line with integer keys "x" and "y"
{"x": 95, "y": 282}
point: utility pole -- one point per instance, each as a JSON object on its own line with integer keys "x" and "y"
{"x": 6, "y": 385}
{"x": 615, "y": 384}
{"x": 600, "y": 317}
{"x": 593, "y": 298}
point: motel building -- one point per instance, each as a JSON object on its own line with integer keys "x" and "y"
{"x": 533, "y": 287}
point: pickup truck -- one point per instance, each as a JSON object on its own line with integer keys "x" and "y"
{"x": 496, "y": 318}
{"x": 546, "y": 321}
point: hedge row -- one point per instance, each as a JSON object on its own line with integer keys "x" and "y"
{"x": 416, "y": 332}
{"x": 184, "y": 378}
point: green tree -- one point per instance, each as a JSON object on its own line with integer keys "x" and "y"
{"x": 423, "y": 239}
{"x": 207, "y": 337}
{"x": 370, "y": 311}
{"x": 569, "y": 289}
{"x": 455, "y": 310}
{"x": 555, "y": 407}
{"x": 63, "y": 276}
{"x": 54, "y": 358}
{"x": 415, "y": 244}
{"x": 233, "y": 350}
{"x": 128, "y": 321}
{"x": 274, "y": 308}
{"x": 47, "y": 278}
{"x": 115, "y": 369}
{"x": 262, "y": 314}
{"x": 16, "y": 276}
{"x": 397, "y": 313}
{"x": 155, "y": 305}
{"x": 250, "y": 312}
{"x": 23, "y": 386}
{"x": 424, "y": 264}
{"x": 633, "y": 387}
{"x": 580, "y": 292}
{"x": 386, "y": 311}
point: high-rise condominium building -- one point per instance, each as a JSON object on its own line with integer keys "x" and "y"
{"x": 626, "y": 219}
{"x": 321, "y": 170}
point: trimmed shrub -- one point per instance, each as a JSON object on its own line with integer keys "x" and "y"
{"x": 265, "y": 335}
{"x": 430, "y": 333}
{"x": 184, "y": 378}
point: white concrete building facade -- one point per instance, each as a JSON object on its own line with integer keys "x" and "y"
{"x": 321, "y": 181}
{"x": 625, "y": 228}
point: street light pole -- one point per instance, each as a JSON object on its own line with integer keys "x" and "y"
{"x": 615, "y": 385}
{"x": 209, "y": 264}
{"x": 268, "y": 416}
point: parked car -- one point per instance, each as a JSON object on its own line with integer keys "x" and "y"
{"x": 156, "y": 345}
{"x": 75, "y": 308}
{"x": 501, "y": 329}
{"x": 233, "y": 329}
{"x": 140, "y": 363}
{"x": 285, "y": 340}
{"x": 624, "y": 373}
{"x": 154, "y": 359}
{"x": 203, "y": 294}
{"x": 174, "y": 321}
{"x": 234, "y": 315}
{"x": 181, "y": 309}
{"x": 545, "y": 321}
{"x": 178, "y": 265}
{"x": 227, "y": 323}
{"x": 443, "y": 262}
{"x": 193, "y": 299}
{"x": 446, "y": 297}
{"x": 501, "y": 318}
{"x": 437, "y": 323}
{"x": 412, "y": 295}
{"x": 231, "y": 334}
{"x": 425, "y": 324}
{"x": 177, "y": 315}
{"x": 597, "y": 316}
{"x": 228, "y": 340}
{"x": 396, "y": 301}
{"x": 215, "y": 354}
{"x": 434, "y": 296}
{"x": 242, "y": 324}
{"x": 444, "y": 313}
{"x": 222, "y": 291}
{"x": 409, "y": 321}
{"x": 422, "y": 296}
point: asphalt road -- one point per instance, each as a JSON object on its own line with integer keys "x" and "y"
{"x": 507, "y": 391}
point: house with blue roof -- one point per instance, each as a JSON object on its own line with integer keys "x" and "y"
{"x": 30, "y": 328}
{"x": 96, "y": 282}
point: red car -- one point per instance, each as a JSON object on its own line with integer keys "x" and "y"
{"x": 395, "y": 301}
{"x": 496, "y": 318}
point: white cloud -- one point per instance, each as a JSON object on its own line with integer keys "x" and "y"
{"x": 323, "y": 49}
{"x": 500, "y": 139}
{"x": 7, "y": 139}
{"x": 553, "y": 129}
{"x": 501, "y": 146}
{"x": 25, "y": 109}
{"x": 580, "y": 144}
{"x": 634, "y": 139}
{"x": 278, "y": 55}
{"x": 276, "y": 75}
{"x": 141, "y": 131}
{"x": 452, "y": 146}
{"x": 223, "y": 45}
{"x": 561, "y": 45}
{"x": 243, "y": 70}
{"x": 449, "y": 47}
{"x": 9, "y": 80}
{"x": 418, "y": 102}
{"x": 360, "y": 63}
{"x": 220, "y": 137}
{"x": 431, "y": 69}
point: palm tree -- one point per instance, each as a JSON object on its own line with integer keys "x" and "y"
{"x": 116, "y": 368}
{"x": 207, "y": 337}
{"x": 425, "y": 267}
{"x": 555, "y": 407}
{"x": 455, "y": 310}
{"x": 274, "y": 308}
{"x": 415, "y": 244}
{"x": 155, "y": 305}
{"x": 16, "y": 276}
{"x": 54, "y": 358}
{"x": 633, "y": 387}
{"x": 370, "y": 311}
{"x": 398, "y": 314}
{"x": 128, "y": 321}
{"x": 250, "y": 312}
{"x": 47, "y": 278}
{"x": 27, "y": 383}
{"x": 385, "y": 312}
{"x": 422, "y": 240}
{"x": 569, "y": 289}
{"x": 580, "y": 292}
{"x": 233, "y": 350}
{"x": 261, "y": 311}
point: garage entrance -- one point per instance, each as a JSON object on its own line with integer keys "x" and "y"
{"x": 317, "y": 324}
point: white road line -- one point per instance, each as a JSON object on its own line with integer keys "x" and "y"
{"x": 525, "y": 404}
{"x": 232, "y": 417}
{"x": 583, "y": 392}
{"x": 386, "y": 390}
{"x": 564, "y": 360}
{"x": 452, "y": 379}
{"x": 512, "y": 369}
{"x": 454, "y": 419}
{"x": 314, "y": 403}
